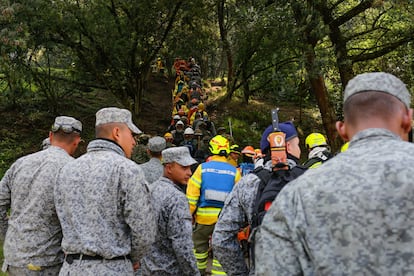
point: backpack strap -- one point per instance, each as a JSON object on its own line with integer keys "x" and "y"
{"x": 264, "y": 175}
{"x": 312, "y": 161}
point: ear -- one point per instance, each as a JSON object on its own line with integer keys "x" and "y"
{"x": 342, "y": 130}
{"x": 287, "y": 146}
{"x": 77, "y": 141}
{"x": 407, "y": 120}
{"x": 51, "y": 136}
{"x": 116, "y": 133}
{"x": 168, "y": 168}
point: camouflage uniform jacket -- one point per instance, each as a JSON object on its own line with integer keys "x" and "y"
{"x": 103, "y": 203}
{"x": 235, "y": 215}
{"x": 153, "y": 170}
{"x": 139, "y": 154}
{"x": 33, "y": 230}
{"x": 172, "y": 252}
{"x": 352, "y": 216}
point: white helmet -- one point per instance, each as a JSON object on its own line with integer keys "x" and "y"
{"x": 188, "y": 130}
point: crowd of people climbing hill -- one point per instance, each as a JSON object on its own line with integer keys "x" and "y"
{"x": 193, "y": 202}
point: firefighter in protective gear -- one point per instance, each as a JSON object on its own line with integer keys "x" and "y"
{"x": 319, "y": 150}
{"x": 315, "y": 140}
{"x": 207, "y": 190}
{"x": 247, "y": 164}
{"x": 235, "y": 153}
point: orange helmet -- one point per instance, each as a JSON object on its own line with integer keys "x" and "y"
{"x": 248, "y": 151}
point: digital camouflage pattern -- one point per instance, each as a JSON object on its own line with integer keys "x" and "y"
{"x": 104, "y": 205}
{"x": 116, "y": 115}
{"x": 235, "y": 215}
{"x": 97, "y": 267}
{"x": 33, "y": 230}
{"x": 172, "y": 252}
{"x": 68, "y": 121}
{"x": 153, "y": 170}
{"x": 139, "y": 154}
{"x": 378, "y": 81}
{"x": 352, "y": 216}
{"x": 156, "y": 144}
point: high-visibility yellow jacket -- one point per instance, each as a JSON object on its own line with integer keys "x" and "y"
{"x": 208, "y": 187}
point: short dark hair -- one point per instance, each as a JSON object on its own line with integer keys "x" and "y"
{"x": 104, "y": 131}
{"x": 372, "y": 104}
{"x": 155, "y": 154}
{"x": 62, "y": 136}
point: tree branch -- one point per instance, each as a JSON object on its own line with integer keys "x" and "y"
{"x": 363, "y": 5}
{"x": 382, "y": 51}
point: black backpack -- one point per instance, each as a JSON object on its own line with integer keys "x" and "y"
{"x": 271, "y": 183}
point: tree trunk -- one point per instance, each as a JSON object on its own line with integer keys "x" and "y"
{"x": 226, "y": 48}
{"x": 246, "y": 88}
{"x": 302, "y": 15}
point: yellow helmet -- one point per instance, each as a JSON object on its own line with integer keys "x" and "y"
{"x": 235, "y": 148}
{"x": 345, "y": 147}
{"x": 200, "y": 106}
{"x": 315, "y": 140}
{"x": 219, "y": 145}
{"x": 168, "y": 135}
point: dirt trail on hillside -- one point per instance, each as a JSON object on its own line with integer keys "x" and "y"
{"x": 156, "y": 107}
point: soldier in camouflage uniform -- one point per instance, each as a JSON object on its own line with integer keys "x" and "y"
{"x": 355, "y": 214}
{"x": 153, "y": 169}
{"x": 238, "y": 209}
{"x": 139, "y": 153}
{"x": 33, "y": 237}
{"x": 103, "y": 202}
{"x": 45, "y": 143}
{"x": 172, "y": 252}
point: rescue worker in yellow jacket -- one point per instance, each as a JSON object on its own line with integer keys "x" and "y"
{"x": 319, "y": 151}
{"x": 207, "y": 190}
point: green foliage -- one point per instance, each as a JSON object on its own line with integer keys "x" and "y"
{"x": 11, "y": 150}
{"x": 245, "y": 134}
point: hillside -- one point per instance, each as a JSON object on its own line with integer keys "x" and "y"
{"x": 22, "y": 129}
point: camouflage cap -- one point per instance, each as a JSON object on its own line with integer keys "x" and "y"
{"x": 45, "y": 143}
{"x": 67, "y": 124}
{"x": 156, "y": 144}
{"x": 180, "y": 155}
{"x": 381, "y": 82}
{"x": 116, "y": 115}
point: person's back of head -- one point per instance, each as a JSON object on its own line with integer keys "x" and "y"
{"x": 376, "y": 100}
{"x": 291, "y": 139}
{"x": 219, "y": 145}
{"x": 156, "y": 145}
{"x": 65, "y": 133}
{"x": 315, "y": 139}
